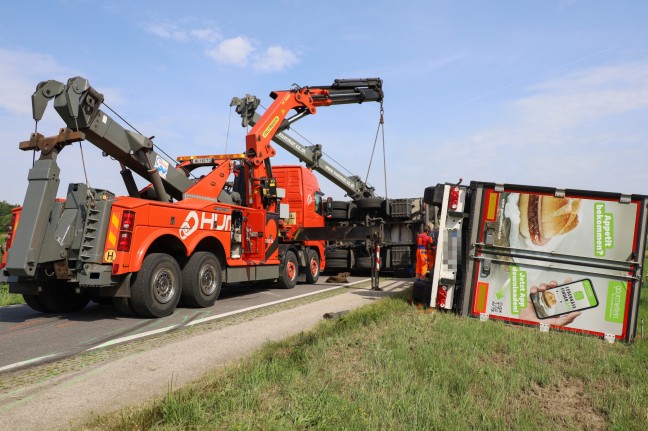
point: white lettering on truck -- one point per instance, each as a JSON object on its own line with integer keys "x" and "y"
{"x": 210, "y": 221}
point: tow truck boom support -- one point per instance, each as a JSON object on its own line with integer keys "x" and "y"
{"x": 77, "y": 103}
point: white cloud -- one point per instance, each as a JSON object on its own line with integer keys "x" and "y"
{"x": 20, "y": 71}
{"x": 586, "y": 96}
{"x": 235, "y": 51}
{"x": 167, "y": 30}
{"x": 182, "y": 31}
{"x": 275, "y": 59}
{"x": 581, "y": 130}
{"x": 206, "y": 34}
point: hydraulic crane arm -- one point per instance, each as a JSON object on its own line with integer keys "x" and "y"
{"x": 77, "y": 103}
{"x": 304, "y": 101}
{"x": 352, "y": 185}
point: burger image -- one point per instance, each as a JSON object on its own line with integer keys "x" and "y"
{"x": 544, "y": 217}
{"x": 548, "y": 299}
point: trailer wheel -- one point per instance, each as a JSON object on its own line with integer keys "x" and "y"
{"x": 339, "y": 205}
{"x": 313, "y": 269}
{"x": 337, "y": 264}
{"x": 338, "y": 253}
{"x": 34, "y": 302}
{"x": 156, "y": 289}
{"x": 370, "y": 203}
{"x": 201, "y": 280}
{"x": 289, "y": 271}
{"x": 339, "y": 214}
{"x": 363, "y": 263}
{"x": 57, "y": 297}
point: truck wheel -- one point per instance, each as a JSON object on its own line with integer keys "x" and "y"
{"x": 156, "y": 289}
{"x": 57, "y": 297}
{"x": 370, "y": 203}
{"x": 34, "y": 302}
{"x": 363, "y": 263}
{"x": 338, "y": 253}
{"x": 339, "y": 214}
{"x": 201, "y": 280}
{"x": 339, "y": 205}
{"x": 336, "y": 264}
{"x": 313, "y": 267}
{"x": 422, "y": 292}
{"x": 123, "y": 306}
{"x": 289, "y": 271}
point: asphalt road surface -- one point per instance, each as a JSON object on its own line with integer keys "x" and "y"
{"x": 29, "y": 338}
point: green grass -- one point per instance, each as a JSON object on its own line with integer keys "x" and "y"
{"x": 7, "y": 298}
{"x": 388, "y": 366}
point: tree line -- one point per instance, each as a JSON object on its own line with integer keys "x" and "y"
{"x": 5, "y": 215}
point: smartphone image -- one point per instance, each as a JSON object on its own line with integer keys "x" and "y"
{"x": 566, "y": 298}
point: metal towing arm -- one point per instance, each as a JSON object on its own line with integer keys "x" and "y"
{"x": 77, "y": 103}
{"x": 54, "y": 236}
{"x": 269, "y": 126}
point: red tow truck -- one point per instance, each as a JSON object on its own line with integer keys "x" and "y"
{"x": 181, "y": 237}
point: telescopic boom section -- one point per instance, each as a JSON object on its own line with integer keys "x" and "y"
{"x": 304, "y": 101}
{"x": 77, "y": 103}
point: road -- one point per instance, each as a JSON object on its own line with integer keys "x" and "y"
{"x": 28, "y": 338}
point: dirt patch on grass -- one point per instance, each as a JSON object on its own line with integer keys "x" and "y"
{"x": 567, "y": 404}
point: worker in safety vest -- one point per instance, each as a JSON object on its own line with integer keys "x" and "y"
{"x": 424, "y": 247}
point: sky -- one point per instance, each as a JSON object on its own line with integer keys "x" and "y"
{"x": 539, "y": 92}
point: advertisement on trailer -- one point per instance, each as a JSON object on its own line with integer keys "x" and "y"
{"x": 564, "y": 261}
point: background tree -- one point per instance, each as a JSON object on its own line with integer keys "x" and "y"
{"x": 5, "y": 215}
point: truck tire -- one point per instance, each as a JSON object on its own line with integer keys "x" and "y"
{"x": 339, "y": 214}
{"x": 339, "y": 205}
{"x": 332, "y": 264}
{"x": 59, "y": 298}
{"x": 312, "y": 266}
{"x": 363, "y": 263}
{"x": 289, "y": 271}
{"x": 34, "y": 302}
{"x": 157, "y": 286}
{"x": 201, "y": 280}
{"x": 123, "y": 306}
{"x": 338, "y": 253}
{"x": 370, "y": 203}
{"x": 422, "y": 292}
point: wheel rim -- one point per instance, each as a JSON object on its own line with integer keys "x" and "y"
{"x": 207, "y": 280}
{"x": 314, "y": 267}
{"x": 164, "y": 285}
{"x": 291, "y": 270}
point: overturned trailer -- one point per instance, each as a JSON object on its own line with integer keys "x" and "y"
{"x": 554, "y": 258}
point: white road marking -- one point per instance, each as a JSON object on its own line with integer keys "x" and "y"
{"x": 214, "y": 317}
{"x": 195, "y": 322}
{"x": 27, "y": 362}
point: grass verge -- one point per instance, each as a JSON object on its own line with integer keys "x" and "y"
{"x": 19, "y": 381}
{"x": 7, "y": 298}
{"x": 389, "y": 366}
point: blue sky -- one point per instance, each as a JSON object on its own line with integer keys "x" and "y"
{"x": 543, "y": 92}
